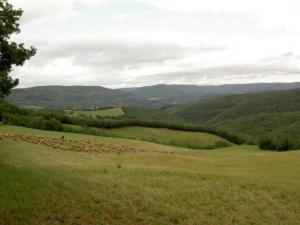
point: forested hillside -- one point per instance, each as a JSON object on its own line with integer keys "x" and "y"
{"x": 275, "y": 115}
{"x": 215, "y": 109}
{"x": 151, "y": 97}
{"x": 254, "y": 127}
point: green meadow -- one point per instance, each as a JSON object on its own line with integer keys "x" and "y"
{"x": 239, "y": 185}
{"x": 188, "y": 139}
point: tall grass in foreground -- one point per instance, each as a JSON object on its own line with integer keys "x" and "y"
{"x": 240, "y": 186}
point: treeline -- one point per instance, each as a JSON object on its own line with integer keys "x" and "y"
{"x": 279, "y": 143}
{"x": 41, "y": 119}
{"x": 95, "y": 108}
{"x": 111, "y": 123}
{"x": 54, "y": 120}
{"x": 280, "y": 130}
{"x": 37, "y": 122}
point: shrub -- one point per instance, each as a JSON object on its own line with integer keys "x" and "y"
{"x": 278, "y": 144}
{"x": 266, "y": 143}
{"x": 222, "y": 144}
{"x": 50, "y": 124}
{"x": 30, "y": 121}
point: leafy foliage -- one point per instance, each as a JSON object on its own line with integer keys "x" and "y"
{"x": 11, "y": 53}
{"x": 275, "y": 115}
{"x": 44, "y": 120}
{"x": 252, "y": 128}
{"x": 278, "y": 144}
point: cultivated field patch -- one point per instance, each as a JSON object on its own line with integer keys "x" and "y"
{"x": 101, "y": 113}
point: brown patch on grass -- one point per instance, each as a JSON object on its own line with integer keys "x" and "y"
{"x": 76, "y": 145}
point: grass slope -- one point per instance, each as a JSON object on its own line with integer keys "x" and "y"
{"x": 196, "y": 140}
{"x": 240, "y": 185}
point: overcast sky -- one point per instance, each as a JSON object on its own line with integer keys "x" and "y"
{"x": 122, "y": 43}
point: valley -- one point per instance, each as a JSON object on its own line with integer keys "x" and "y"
{"x": 149, "y": 112}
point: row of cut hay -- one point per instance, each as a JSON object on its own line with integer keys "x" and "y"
{"x": 76, "y": 145}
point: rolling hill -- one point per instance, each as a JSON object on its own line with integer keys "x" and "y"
{"x": 186, "y": 139}
{"x": 53, "y": 181}
{"x": 70, "y": 97}
{"x": 215, "y": 109}
{"x": 151, "y": 96}
{"x": 178, "y": 94}
{"x": 250, "y": 116}
{"x": 284, "y": 125}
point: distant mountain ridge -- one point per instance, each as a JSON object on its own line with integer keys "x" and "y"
{"x": 148, "y": 96}
{"x": 179, "y": 94}
{"x": 70, "y": 97}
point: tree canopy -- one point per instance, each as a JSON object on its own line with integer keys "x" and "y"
{"x": 11, "y": 53}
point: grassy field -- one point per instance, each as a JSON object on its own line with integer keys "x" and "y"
{"x": 187, "y": 139}
{"x": 240, "y": 185}
{"x": 114, "y": 112}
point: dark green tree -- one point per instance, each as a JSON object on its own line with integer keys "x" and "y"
{"x": 11, "y": 53}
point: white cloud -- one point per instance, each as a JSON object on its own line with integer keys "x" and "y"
{"x": 45, "y": 10}
{"x": 119, "y": 17}
{"x": 180, "y": 41}
{"x": 270, "y": 14}
{"x": 118, "y": 62}
{"x": 96, "y": 2}
{"x": 278, "y": 13}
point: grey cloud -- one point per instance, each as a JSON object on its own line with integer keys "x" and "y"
{"x": 221, "y": 74}
{"x": 279, "y": 60}
{"x": 107, "y": 58}
{"x": 118, "y": 53}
